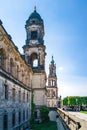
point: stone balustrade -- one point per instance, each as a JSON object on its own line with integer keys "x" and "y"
{"x": 70, "y": 121}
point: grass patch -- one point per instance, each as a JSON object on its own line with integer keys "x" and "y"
{"x": 85, "y": 112}
{"x": 51, "y": 125}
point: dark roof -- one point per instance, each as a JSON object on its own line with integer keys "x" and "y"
{"x": 34, "y": 16}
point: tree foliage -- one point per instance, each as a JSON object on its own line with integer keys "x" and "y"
{"x": 74, "y": 100}
{"x": 44, "y": 114}
{"x": 32, "y": 109}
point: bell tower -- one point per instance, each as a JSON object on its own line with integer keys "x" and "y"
{"x": 52, "y": 90}
{"x": 34, "y": 49}
{"x": 34, "y": 52}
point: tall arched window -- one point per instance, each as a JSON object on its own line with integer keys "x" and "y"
{"x": 27, "y": 114}
{"x": 23, "y": 115}
{"x": 5, "y": 122}
{"x": 35, "y": 63}
{"x": 19, "y": 116}
{"x": 11, "y": 65}
{"x": 27, "y": 96}
{"x": 14, "y": 94}
{"x": 2, "y": 58}
{"x": 13, "y": 118}
{"x": 17, "y": 71}
{"x": 24, "y": 96}
{"x": 19, "y": 95}
{"x": 6, "y": 91}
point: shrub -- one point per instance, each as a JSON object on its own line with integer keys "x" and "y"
{"x": 44, "y": 111}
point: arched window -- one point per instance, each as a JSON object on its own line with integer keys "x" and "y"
{"x": 14, "y": 94}
{"x": 34, "y": 59}
{"x": 2, "y": 58}
{"x": 27, "y": 113}
{"x": 33, "y": 35}
{"x": 35, "y": 63}
{"x": 5, "y": 122}
{"x": 53, "y": 83}
{"x": 11, "y": 65}
{"x": 24, "y": 96}
{"x": 23, "y": 115}
{"x": 17, "y": 71}
{"x": 19, "y": 95}
{"x": 13, "y": 118}
{"x": 19, "y": 116}
{"x": 27, "y": 96}
{"x": 6, "y": 91}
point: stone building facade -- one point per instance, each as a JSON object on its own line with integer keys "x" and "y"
{"x": 23, "y": 75}
{"x": 15, "y": 85}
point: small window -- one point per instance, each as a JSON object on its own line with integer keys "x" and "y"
{"x": 5, "y": 122}
{"x": 33, "y": 21}
{"x": 34, "y": 35}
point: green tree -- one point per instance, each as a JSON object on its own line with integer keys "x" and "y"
{"x": 44, "y": 111}
{"x": 32, "y": 109}
{"x": 75, "y": 100}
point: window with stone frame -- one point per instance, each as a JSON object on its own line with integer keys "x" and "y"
{"x": 11, "y": 65}
{"x": 13, "y": 118}
{"x": 1, "y": 60}
{"x": 5, "y": 122}
{"x": 6, "y": 91}
{"x": 27, "y": 114}
{"x": 19, "y": 95}
{"x": 14, "y": 94}
{"x": 24, "y": 96}
{"x": 27, "y": 96}
{"x": 19, "y": 119}
{"x": 23, "y": 115}
{"x": 48, "y": 93}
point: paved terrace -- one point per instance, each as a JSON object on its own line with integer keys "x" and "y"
{"x": 82, "y": 118}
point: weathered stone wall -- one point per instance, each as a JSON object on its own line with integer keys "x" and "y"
{"x": 7, "y": 106}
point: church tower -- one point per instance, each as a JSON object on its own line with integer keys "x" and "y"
{"x": 34, "y": 52}
{"x": 52, "y": 90}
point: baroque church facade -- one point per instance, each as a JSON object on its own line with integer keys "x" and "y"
{"x": 24, "y": 75}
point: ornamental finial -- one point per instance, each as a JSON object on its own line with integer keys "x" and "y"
{"x": 52, "y": 62}
{"x": 35, "y": 8}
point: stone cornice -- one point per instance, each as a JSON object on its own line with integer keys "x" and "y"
{"x": 12, "y": 79}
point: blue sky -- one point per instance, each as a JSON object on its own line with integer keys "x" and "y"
{"x": 65, "y": 23}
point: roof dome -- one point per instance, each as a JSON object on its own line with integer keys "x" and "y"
{"x": 34, "y": 18}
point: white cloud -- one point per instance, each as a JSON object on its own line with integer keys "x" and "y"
{"x": 60, "y": 68}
